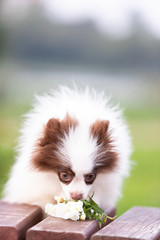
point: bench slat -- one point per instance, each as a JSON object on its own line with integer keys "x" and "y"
{"x": 59, "y": 229}
{"x": 136, "y": 223}
{"x": 16, "y": 219}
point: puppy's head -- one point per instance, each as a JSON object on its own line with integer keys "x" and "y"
{"x": 77, "y": 152}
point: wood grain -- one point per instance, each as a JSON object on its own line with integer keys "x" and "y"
{"x": 60, "y": 229}
{"x": 136, "y": 223}
{"x": 16, "y": 219}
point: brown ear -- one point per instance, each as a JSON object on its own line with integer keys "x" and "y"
{"x": 52, "y": 132}
{"x": 55, "y": 130}
{"x": 47, "y": 154}
{"x": 107, "y": 156}
{"x": 99, "y": 130}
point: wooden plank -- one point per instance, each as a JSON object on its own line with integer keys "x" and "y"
{"x": 59, "y": 229}
{"x": 16, "y": 219}
{"x": 136, "y": 223}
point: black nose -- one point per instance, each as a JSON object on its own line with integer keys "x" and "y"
{"x": 76, "y": 196}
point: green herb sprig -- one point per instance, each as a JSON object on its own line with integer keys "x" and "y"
{"x": 93, "y": 211}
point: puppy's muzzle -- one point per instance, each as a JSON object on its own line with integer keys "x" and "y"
{"x": 76, "y": 196}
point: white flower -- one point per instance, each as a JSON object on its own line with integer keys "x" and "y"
{"x": 75, "y": 215}
{"x": 50, "y": 209}
{"x": 92, "y": 211}
{"x": 83, "y": 216}
{"x": 59, "y": 199}
{"x": 77, "y": 206}
{"x": 70, "y": 210}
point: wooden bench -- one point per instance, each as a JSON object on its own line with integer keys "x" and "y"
{"x": 22, "y": 221}
{"x": 136, "y": 223}
{"x": 16, "y": 219}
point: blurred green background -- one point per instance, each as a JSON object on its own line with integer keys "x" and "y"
{"x": 38, "y": 54}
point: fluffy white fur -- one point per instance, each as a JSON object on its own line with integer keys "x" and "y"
{"x": 32, "y": 186}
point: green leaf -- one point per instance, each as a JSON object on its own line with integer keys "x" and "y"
{"x": 93, "y": 211}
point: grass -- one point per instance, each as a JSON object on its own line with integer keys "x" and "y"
{"x": 142, "y": 188}
{"x": 10, "y": 122}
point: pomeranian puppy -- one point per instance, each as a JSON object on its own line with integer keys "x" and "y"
{"x": 73, "y": 144}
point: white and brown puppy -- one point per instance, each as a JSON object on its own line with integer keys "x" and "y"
{"x": 72, "y": 144}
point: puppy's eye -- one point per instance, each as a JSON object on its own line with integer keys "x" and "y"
{"x": 65, "y": 177}
{"x": 89, "y": 178}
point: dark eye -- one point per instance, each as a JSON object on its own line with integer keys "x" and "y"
{"x": 89, "y": 178}
{"x": 65, "y": 177}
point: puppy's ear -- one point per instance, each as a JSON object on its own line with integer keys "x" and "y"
{"x": 51, "y": 133}
{"x": 53, "y": 123}
{"x": 55, "y": 129}
{"x": 107, "y": 155}
{"x": 99, "y": 130}
{"x": 47, "y": 155}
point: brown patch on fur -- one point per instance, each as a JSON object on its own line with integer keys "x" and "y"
{"x": 107, "y": 156}
{"x": 46, "y": 155}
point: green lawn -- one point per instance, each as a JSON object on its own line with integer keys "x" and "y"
{"x": 10, "y": 122}
{"x": 143, "y": 186}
